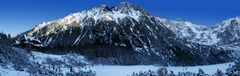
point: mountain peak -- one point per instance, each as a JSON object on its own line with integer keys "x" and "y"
{"x": 126, "y": 7}
{"x": 232, "y": 23}
{"x": 101, "y": 12}
{"x": 123, "y": 7}
{"x": 103, "y": 7}
{"x": 235, "y": 20}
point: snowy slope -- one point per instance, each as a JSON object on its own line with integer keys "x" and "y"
{"x": 225, "y": 34}
{"x": 42, "y": 58}
{"x": 42, "y": 64}
{"x": 192, "y": 32}
{"x": 10, "y": 72}
{"x": 229, "y": 32}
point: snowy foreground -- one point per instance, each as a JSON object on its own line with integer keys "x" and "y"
{"x": 128, "y": 70}
{"x": 111, "y": 70}
{"x": 10, "y": 72}
{"x": 107, "y": 70}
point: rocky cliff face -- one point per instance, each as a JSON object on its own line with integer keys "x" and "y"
{"x": 125, "y": 34}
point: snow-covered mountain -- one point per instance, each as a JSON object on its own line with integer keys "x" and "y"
{"x": 126, "y": 34}
{"x": 225, "y": 34}
{"x": 191, "y": 32}
{"x": 229, "y": 32}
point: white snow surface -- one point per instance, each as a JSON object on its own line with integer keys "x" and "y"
{"x": 10, "y": 72}
{"x": 112, "y": 70}
{"x": 115, "y": 70}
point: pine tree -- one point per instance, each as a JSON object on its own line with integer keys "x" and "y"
{"x": 235, "y": 69}
{"x": 171, "y": 73}
{"x": 162, "y": 72}
{"x": 201, "y": 73}
{"x": 219, "y": 73}
{"x": 9, "y": 36}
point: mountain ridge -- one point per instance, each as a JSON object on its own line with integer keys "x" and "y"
{"x": 223, "y": 34}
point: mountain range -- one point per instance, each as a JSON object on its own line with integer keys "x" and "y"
{"x": 127, "y": 34}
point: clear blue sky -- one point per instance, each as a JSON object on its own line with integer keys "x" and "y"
{"x": 20, "y": 15}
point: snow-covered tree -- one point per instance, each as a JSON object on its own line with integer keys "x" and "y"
{"x": 171, "y": 73}
{"x": 219, "y": 73}
{"x": 235, "y": 69}
{"x": 162, "y": 72}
